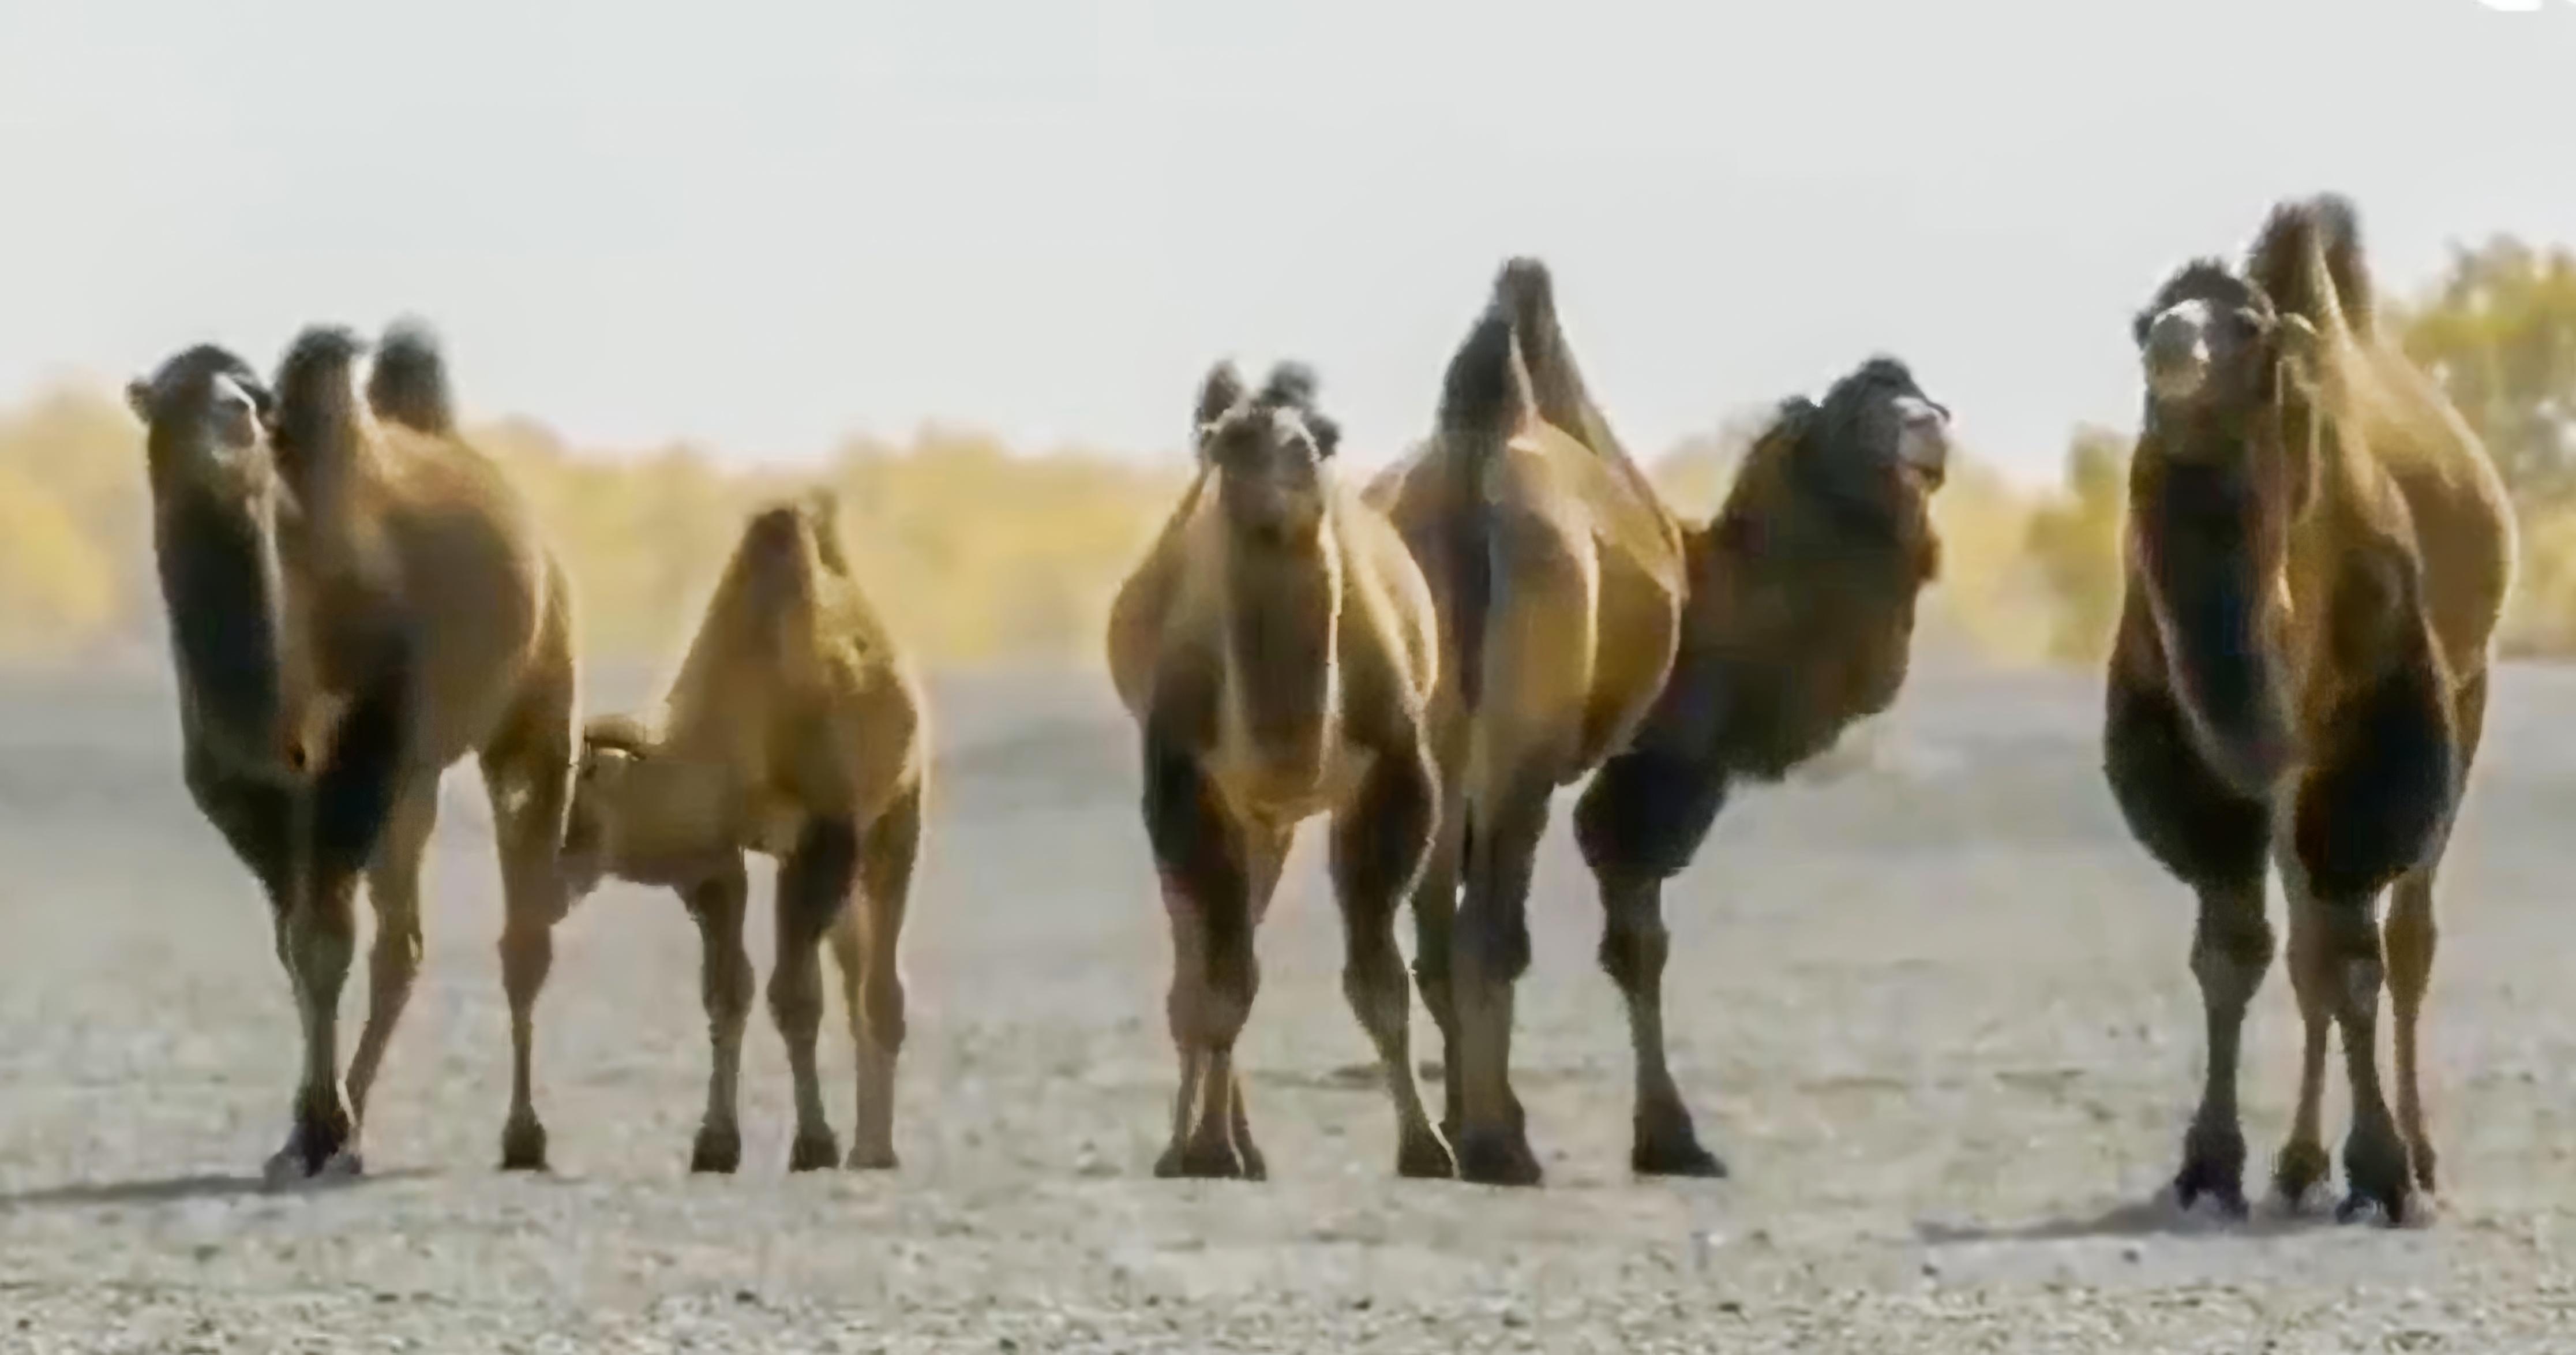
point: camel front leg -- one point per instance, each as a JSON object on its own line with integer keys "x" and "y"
{"x": 814, "y": 887}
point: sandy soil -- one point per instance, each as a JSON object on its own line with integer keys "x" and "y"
{"x": 1933, "y": 1008}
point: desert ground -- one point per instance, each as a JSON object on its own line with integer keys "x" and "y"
{"x": 1929, "y": 1002}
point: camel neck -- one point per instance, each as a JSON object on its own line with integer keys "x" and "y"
{"x": 1281, "y": 605}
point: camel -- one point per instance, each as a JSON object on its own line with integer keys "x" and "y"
{"x": 1275, "y": 649}
{"x": 357, "y": 599}
{"x": 1586, "y": 631}
{"x": 797, "y": 728}
{"x": 2317, "y": 553}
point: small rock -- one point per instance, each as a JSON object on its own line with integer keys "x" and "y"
{"x": 2133, "y": 1253}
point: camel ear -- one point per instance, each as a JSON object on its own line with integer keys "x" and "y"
{"x": 1221, "y": 391}
{"x": 138, "y": 397}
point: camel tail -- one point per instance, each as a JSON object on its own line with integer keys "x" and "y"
{"x": 409, "y": 385}
{"x": 2309, "y": 260}
{"x": 1483, "y": 402}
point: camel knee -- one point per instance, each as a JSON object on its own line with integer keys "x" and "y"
{"x": 726, "y": 986}
{"x": 2351, "y": 961}
{"x": 1634, "y": 949}
{"x": 796, "y": 997}
{"x": 881, "y": 1006}
{"x": 2412, "y": 935}
{"x": 2230, "y": 954}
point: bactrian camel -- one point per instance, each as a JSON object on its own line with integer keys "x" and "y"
{"x": 358, "y": 599}
{"x": 1275, "y": 649}
{"x": 1585, "y": 628}
{"x": 2317, "y": 552}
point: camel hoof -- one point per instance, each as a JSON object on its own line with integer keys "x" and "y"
{"x": 1207, "y": 1160}
{"x": 315, "y": 1148}
{"x": 814, "y": 1151}
{"x": 865, "y": 1158}
{"x": 717, "y": 1151}
{"x": 2297, "y": 1174}
{"x": 1498, "y": 1158}
{"x": 287, "y": 1167}
{"x": 2377, "y": 1180}
{"x": 1675, "y": 1155}
{"x": 2213, "y": 1169}
{"x": 523, "y": 1146}
{"x": 1423, "y": 1157}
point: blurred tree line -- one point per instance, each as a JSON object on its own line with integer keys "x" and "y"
{"x": 980, "y": 556}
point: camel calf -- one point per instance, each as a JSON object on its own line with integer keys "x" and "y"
{"x": 798, "y": 729}
{"x": 1275, "y": 648}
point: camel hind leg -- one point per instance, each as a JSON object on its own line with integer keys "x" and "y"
{"x": 2411, "y": 934}
{"x": 1379, "y": 841}
{"x": 527, "y": 773}
{"x": 1435, "y": 912}
{"x": 867, "y": 944}
{"x": 717, "y": 904}
{"x": 393, "y": 962}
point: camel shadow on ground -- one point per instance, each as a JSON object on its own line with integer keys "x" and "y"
{"x": 2157, "y": 1216}
{"x": 173, "y": 1189}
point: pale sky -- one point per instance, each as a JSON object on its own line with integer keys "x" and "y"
{"x": 762, "y": 226}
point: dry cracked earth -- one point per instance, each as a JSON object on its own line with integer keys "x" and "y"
{"x": 1930, "y": 1003}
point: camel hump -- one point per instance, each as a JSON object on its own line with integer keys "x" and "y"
{"x": 1486, "y": 394}
{"x": 2309, "y": 261}
{"x": 1527, "y": 292}
{"x": 317, "y": 416}
{"x": 409, "y": 385}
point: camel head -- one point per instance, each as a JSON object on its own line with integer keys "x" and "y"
{"x": 1268, "y": 449}
{"x": 1855, "y": 472}
{"x": 2215, "y": 354}
{"x": 208, "y": 424}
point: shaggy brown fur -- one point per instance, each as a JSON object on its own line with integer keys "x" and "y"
{"x": 2318, "y": 550}
{"x": 1800, "y": 621}
{"x": 356, "y": 603}
{"x": 795, "y": 728}
{"x": 1275, "y": 649}
{"x": 1558, "y": 577}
